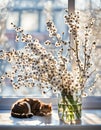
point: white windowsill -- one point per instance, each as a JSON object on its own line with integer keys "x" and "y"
{"x": 91, "y": 119}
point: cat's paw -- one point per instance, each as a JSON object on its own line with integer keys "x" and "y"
{"x": 29, "y": 115}
{"x": 44, "y": 114}
{"x": 41, "y": 114}
{"x": 48, "y": 114}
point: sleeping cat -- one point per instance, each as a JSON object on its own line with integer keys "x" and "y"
{"x": 27, "y": 107}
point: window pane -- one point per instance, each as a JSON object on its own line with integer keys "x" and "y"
{"x": 92, "y": 9}
{"x": 28, "y": 14}
{"x": 29, "y": 21}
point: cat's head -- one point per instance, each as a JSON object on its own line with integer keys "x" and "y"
{"x": 46, "y": 108}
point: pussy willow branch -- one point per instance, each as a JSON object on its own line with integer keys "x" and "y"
{"x": 85, "y": 55}
{"x": 87, "y": 77}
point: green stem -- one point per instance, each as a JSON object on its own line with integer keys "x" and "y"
{"x": 74, "y": 106}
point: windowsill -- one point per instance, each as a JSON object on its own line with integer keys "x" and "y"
{"x": 91, "y": 117}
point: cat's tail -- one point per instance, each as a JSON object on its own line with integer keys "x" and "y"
{"x": 17, "y": 115}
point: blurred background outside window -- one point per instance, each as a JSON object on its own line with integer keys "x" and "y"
{"x": 31, "y": 16}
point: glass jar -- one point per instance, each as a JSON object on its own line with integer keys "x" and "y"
{"x": 69, "y": 107}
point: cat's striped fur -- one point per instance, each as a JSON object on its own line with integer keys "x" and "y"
{"x": 27, "y": 107}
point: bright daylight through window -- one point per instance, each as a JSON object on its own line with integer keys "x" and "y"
{"x": 26, "y": 23}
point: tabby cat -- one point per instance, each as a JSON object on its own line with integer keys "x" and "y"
{"x": 27, "y": 107}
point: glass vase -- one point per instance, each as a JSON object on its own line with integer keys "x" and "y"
{"x": 69, "y": 107}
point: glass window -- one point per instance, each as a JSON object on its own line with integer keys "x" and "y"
{"x": 29, "y": 15}
{"x": 92, "y": 9}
